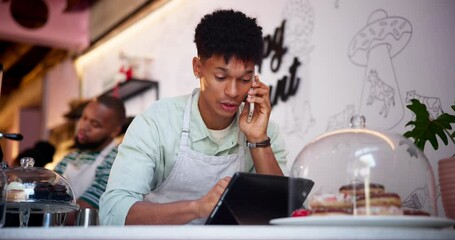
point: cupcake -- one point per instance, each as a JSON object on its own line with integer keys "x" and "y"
{"x": 15, "y": 192}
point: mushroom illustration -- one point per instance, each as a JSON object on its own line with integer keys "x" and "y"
{"x": 374, "y": 47}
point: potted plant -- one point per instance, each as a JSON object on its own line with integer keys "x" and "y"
{"x": 426, "y": 129}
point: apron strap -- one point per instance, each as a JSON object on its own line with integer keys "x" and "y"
{"x": 241, "y": 139}
{"x": 186, "y": 120}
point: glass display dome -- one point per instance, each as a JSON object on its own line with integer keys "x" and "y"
{"x": 32, "y": 189}
{"x": 359, "y": 171}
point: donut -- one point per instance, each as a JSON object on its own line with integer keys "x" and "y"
{"x": 331, "y": 204}
{"x": 382, "y": 199}
{"x": 331, "y": 212}
{"x": 379, "y": 210}
{"x": 331, "y": 201}
{"x": 414, "y": 212}
{"x": 359, "y": 189}
{"x": 380, "y": 204}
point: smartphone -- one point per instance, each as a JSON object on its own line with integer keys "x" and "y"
{"x": 251, "y": 111}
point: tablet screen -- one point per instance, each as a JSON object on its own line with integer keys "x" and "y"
{"x": 255, "y": 199}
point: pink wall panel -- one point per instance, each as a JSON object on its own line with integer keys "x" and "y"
{"x": 63, "y": 29}
{"x": 30, "y": 127}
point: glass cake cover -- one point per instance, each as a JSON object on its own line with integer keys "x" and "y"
{"x": 359, "y": 171}
{"x": 37, "y": 190}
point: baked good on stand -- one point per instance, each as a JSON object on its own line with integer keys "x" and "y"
{"x": 331, "y": 211}
{"x": 331, "y": 201}
{"x": 47, "y": 191}
{"x": 414, "y": 212}
{"x": 15, "y": 192}
{"x": 379, "y": 204}
{"x": 352, "y": 200}
{"x": 331, "y": 204}
{"x": 359, "y": 189}
{"x": 60, "y": 193}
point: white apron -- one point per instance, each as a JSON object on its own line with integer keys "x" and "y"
{"x": 81, "y": 176}
{"x": 195, "y": 173}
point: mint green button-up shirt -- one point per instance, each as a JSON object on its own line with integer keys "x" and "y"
{"x": 150, "y": 146}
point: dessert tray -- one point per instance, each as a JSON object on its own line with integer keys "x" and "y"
{"x": 30, "y": 189}
{"x": 367, "y": 221}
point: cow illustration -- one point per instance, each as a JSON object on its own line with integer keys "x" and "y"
{"x": 433, "y": 104}
{"x": 380, "y": 91}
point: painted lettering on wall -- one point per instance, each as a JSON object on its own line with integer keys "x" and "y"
{"x": 274, "y": 48}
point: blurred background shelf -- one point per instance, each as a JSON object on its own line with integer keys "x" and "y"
{"x": 131, "y": 88}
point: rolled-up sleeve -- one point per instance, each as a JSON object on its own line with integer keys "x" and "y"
{"x": 131, "y": 176}
{"x": 115, "y": 206}
{"x": 278, "y": 146}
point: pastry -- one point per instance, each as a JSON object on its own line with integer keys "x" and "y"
{"x": 60, "y": 193}
{"x": 329, "y": 200}
{"x": 414, "y": 212}
{"x": 47, "y": 191}
{"x": 379, "y": 204}
{"x": 359, "y": 189}
{"x": 15, "y": 192}
{"x": 331, "y": 212}
{"x": 380, "y": 210}
{"x": 331, "y": 204}
{"x": 383, "y": 199}
{"x": 42, "y": 190}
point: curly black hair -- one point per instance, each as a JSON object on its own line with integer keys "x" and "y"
{"x": 229, "y": 33}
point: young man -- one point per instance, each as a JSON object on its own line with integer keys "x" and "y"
{"x": 177, "y": 157}
{"x": 87, "y": 169}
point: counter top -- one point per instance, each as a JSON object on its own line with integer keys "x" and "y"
{"x": 225, "y": 232}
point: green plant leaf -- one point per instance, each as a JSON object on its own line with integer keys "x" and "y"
{"x": 426, "y": 129}
{"x": 445, "y": 120}
{"x": 419, "y": 109}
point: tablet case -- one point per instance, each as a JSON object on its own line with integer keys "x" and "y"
{"x": 255, "y": 199}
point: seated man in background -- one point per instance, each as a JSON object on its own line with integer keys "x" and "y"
{"x": 87, "y": 168}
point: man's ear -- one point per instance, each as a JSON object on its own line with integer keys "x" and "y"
{"x": 116, "y": 132}
{"x": 197, "y": 67}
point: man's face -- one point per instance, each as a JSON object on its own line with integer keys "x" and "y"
{"x": 224, "y": 87}
{"x": 96, "y": 128}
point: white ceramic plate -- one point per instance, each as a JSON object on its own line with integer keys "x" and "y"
{"x": 371, "y": 221}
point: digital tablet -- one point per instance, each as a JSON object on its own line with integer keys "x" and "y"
{"x": 255, "y": 199}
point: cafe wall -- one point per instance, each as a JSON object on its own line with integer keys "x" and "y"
{"x": 325, "y": 61}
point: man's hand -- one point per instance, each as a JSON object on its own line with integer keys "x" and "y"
{"x": 256, "y": 130}
{"x": 208, "y": 202}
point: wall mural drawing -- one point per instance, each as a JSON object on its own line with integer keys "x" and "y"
{"x": 298, "y": 124}
{"x": 299, "y": 28}
{"x": 341, "y": 119}
{"x": 383, "y": 38}
{"x": 381, "y": 91}
{"x": 433, "y": 104}
{"x": 417, "y": 199}
{"x": 299, "y": 17}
